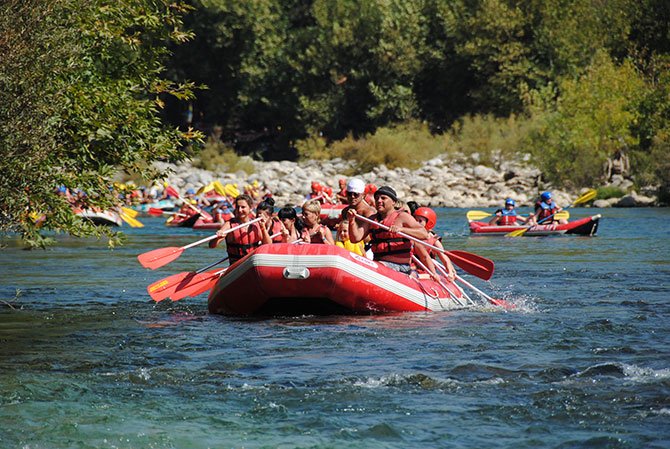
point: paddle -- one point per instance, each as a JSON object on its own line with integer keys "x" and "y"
{"x": 157, "y": 212}
{"x": 497, "y": 302}
{"x": 477, "y": 215}
{"x": 188, "y": 283}
{"x": 439, "y": 281}
{"x": 472, "y": 263}
{"x": 134, "y": 223}
{"x": 584, "y": 198}
{"x": 163, "y": 256}
{"x": 132, "y": 213}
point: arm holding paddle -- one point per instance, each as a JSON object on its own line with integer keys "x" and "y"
{"x": 472, "y": 263}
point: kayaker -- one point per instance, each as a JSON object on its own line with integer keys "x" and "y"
{"x": 428, "y": 219}
{"x": 289, "y": 220}
{"x": 272, "y": 224}
{"x": 355, "y": 197}
{"x": 314, "y": 231}
{"x": 343, "y": 240}
{"x": 242, "y": 241}
{"x": 547, "y": 207}
{"x": 508, "y": 216}
{"x": 388, "y": 247}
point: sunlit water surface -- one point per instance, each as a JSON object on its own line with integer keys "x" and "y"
{"x": 87, "y": 360}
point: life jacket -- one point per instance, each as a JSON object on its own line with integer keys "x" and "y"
{"x": 543, "y": 210}
{"x": 242, "y": 241}
{"x": 276, "y": 229}
{"x": 508, "y": 217}
{"x": 313, "y": 238}
{"x": 385, "y": 243}
{"x": 356, "y": 248}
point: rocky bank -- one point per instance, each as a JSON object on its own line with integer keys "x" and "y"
{"x": 438, "y": 182}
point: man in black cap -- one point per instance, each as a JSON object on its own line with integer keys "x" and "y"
{"x": 388, "y": 247}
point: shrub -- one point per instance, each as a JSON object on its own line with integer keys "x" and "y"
{"x": 607, "y": 192}
{"x": 487, "y": 139}
{"x": 217, "y": 157}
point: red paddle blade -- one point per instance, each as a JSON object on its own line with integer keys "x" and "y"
{"x": 196, "y": 285}
{"x": 159, "y": 257}
{"x": 163, "y": 288}
{"x": 502, "y": 303}
{"x": 155, "y": 211}
{"x": 472, "y": 263}
{"x": 172, "y": 191}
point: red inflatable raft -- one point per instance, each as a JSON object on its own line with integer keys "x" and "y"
{"x": 584, "y": 226}
{"x": 286, "y": 279}
{"x": 330, "y": 214}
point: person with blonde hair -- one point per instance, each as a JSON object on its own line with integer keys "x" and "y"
{"x": 314, "y": 231}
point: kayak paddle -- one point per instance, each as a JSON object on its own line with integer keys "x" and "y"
{"x": 133, "y": 222}
{"x": 132, "y": 213}
{"x": 478, "y": 215}
{"x": 163, "y": 256}
{"x": 583, "y": 198}
{"x": 472, "y": 263}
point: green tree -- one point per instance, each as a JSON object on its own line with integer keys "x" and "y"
{"x": 81, "y": 95}
{"x": 589, "y": 119}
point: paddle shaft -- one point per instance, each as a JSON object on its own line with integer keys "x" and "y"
{"x": 211, "y": 237}
{"x": 227, "y": 257}
{"x": 414, "y": 239}
{"x": 438, "y": 280}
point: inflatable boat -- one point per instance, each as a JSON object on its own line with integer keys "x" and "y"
{"x": 102, "y": 218}
{"x": 289, "y": 279}
{"x": 585, "y": 226}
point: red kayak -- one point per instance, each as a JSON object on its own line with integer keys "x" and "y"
{"x": 286, "y": 279}
{"x": 584, "y": 226}
{"x": 209, "y": 223}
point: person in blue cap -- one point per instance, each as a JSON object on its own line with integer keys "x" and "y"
{"x": 546, "y": 208}
{"x": 508, "y": 216}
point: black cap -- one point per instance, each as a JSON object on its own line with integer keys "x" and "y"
{"x": 388, "y": 191}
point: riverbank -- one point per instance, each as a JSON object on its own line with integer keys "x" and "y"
{"x": 438, "y": 182}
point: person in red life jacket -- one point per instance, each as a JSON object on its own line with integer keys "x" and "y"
{"x": 222, "y": 211}
{"x": 508, "y": 215}
{"x": 290, "y": 225}
{"x": 272, "y": 224}
{"x": 428, "y": 219}
{"x": 314, "y": 231}
{"x": 342, "y": 193}
{"x": 388, "y": 247}
{"x": 369, "y": 193}
{"x": 242, "y": 241}
{"x": 546, "y": 208}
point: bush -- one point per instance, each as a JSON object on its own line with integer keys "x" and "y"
{"x": 405, "y": 145}
{"x": 607, "y": 192}
{"x": 217, "y": 157}
{"x": 487, "y": 139}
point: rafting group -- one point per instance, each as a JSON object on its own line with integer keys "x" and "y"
{"x": 385, "y": 255}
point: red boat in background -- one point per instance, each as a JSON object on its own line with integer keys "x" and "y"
{"x": 330, "y": 214}
{"x": 288, "y": 279}
{"x": 585, "y": 226}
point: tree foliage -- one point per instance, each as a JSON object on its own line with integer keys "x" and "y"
{"x": 81, "y": 95}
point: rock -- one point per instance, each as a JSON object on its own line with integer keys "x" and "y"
{"x": 635, "y": 200}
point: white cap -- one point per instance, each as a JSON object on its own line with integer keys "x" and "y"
{"x": 356, "y": 185}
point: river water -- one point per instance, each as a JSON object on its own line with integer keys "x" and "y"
{"x": 88, "y": 361}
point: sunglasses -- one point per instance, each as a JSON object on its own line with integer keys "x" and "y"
{"x": 354, "y": 194}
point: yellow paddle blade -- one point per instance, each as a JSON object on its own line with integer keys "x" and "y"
{"x": 517, "y": 233}
{"x": 134, "y": 223}
{"x": 562, "y": 215}
{"x": 205, "y": 189}
{"x": 132, "y": 213}
{"x": 476, "y": 215}
{"x": 219, "y": 188}
{"x": 586, "y": 197}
